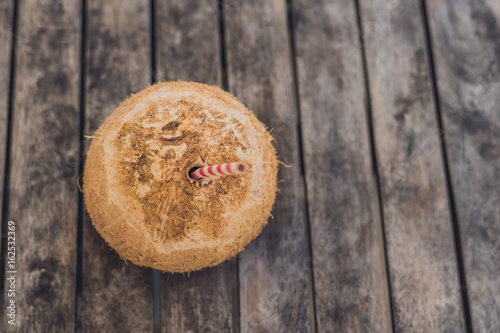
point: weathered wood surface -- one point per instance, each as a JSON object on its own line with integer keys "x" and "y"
{"x": 45, "y": 142}
{"x": 422, "y": 261}
{"x": 347, "y": 246}
{"x": 6, "y": 25}
{"x": 116, "y": 296}
{"x": 187, "y": 40}
{"x": 349, "y": 270}
{"x": 273, "y": 270}
{"x": 466, "y": 45}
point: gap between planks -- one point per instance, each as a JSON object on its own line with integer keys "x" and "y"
{"x": 8, "y": 145}
{"x": 449, "y": 185}
{"x": 376, "y": 175}
{"x": 307, "y": 223}
{"x": 81, "y": 206}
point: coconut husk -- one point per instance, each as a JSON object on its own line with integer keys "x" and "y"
{"x": 136, "y": 184}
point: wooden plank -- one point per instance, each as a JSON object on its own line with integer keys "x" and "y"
{"x": 44, "y": 195}
{"x": 116, "y": 296}
{"x": 348, "y": 255}
{"x": 188, "y": 49}
{"x": 422, "y": 260}
{"x": 188, "y": 41}
{"x": 273, "y": 275}
{"x": 466, "y": 43}
{"x": 6, "y": 21}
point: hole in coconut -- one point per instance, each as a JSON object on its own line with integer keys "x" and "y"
{"x": 193, "y": 169}
{"x": 242, "y": 167}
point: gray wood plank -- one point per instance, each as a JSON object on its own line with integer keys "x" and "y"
{"x": 188, "y": 49}
{"x": 44, "y": 195}
{"x": 419, "y": 232}
{"x": 273, "y": 275}
{"x": 6, "y": 21}
{"x": 466, "y": 44}
{"x": 116, "y": 296}
{"x": 347, "y": 245}
{"x": 188, "y": 45}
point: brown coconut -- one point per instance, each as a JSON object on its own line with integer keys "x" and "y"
{"x": 136, "y": 184}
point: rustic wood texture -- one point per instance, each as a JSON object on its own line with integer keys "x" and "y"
{"x": 273, "y": 271}
{"x": 188, "y": 49}
{"x": 323, "y": 50}
{"x": 6, "y": 21}
{"x": 466, "y": 44}
{"x": 187, "y": 41}
{"x": 422, "y": 261}
{"x": 116, "y": 296}
{"x": 44, "y": 194}
{"x": 348, "y": 255}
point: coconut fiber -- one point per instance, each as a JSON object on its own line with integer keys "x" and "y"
{"x": 136, "y": 184}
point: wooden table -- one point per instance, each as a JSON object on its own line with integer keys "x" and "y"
{"x": 388, "y": 111}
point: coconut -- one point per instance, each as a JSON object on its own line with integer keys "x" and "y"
{"x": 137, "y": 187}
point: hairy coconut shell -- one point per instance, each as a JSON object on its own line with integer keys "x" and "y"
{"x": 137, "y": 188}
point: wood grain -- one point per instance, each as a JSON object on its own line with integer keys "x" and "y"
{"x": 466, "y": 44}
{"x": 273, "y": 274}
{"x": 348, "y": 255}
{"x": 44, "y": 195}
{"x": 116, "y": 296}
{"x": 188, "y": 44}
{"x": 188, "y": 49}
{"x": 6, "y": 21}
{"x": 422, "y": 260}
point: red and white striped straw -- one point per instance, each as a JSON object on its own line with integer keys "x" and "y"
{"x": 226, "y": 169}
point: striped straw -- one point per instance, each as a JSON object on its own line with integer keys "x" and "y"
{"x": 233, "y": 168}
